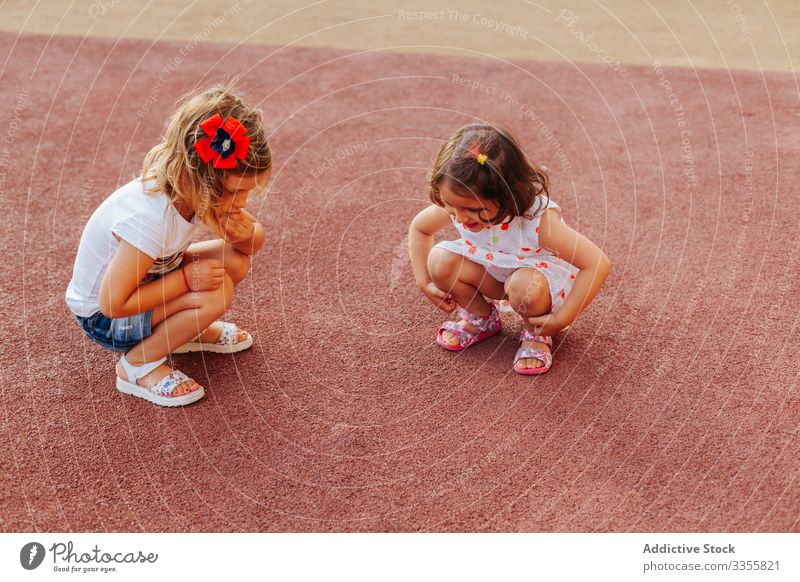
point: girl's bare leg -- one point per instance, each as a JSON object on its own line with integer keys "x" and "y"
{"x": 173, "y": 325}
{"x": 529, "y": 295}
{"x": 237, "y": 265}
{"x": 466, "y": 281}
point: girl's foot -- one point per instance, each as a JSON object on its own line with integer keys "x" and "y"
{"x": 213, "y": 332}
{"x": 451, "y": 339}
{"x": 535, "y": 355}
{"x": 220, "y": 337}
{"x": 154, "y": 377}
{"x": 525, "y": 363}
{"x": 470, "y": 329}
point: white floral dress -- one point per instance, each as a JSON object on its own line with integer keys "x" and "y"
{"x": 504, "y": 248}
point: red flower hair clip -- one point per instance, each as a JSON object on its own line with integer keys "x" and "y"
{"x": 225, "y": 142}
{"x": 476, "y": 153}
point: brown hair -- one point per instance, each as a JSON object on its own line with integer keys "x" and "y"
{"x": 506, "y": 176}
{"x": 176, "y": 165}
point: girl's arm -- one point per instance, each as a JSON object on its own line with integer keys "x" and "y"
{"x": 252, "y": 246}
{"x": 122, "y": 296}
{"x": 420, "y": 240}
{"x": 575, "y": 248}
{"x": 253, "y": 243}
{"x": 243, "y": 232}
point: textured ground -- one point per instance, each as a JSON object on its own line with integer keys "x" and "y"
{"x": 673, "y": 401}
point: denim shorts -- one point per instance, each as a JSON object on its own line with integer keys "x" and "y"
{"x": 122, "y": 333}
{"x": 118, "y": 334}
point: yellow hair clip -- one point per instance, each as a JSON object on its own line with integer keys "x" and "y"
{"x": 482, "y": 158}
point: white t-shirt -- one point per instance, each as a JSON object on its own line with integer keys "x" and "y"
{"x": 148, "y": 221}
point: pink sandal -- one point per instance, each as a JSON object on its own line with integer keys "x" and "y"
{"x": 541, "y": 354}
{"x": 487, "y": 325}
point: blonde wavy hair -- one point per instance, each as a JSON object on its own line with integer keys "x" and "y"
{"x": 177, "y": 167}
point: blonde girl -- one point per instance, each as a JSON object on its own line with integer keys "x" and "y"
{"x": 139, "y": 287}
{"x": 513, "y": 244}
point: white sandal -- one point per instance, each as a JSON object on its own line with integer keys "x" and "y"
{"x": 161, "y": 391}
{"x": 227, "y": 343}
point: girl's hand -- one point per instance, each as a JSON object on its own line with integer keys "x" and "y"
{"x": 239, "y": 227}
{"x": 439, "y": 298}
{"x": 204, "y": 275}
{"x": 549, "y": 324}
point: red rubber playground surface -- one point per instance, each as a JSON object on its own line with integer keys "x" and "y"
{"x": 673, "y": 402}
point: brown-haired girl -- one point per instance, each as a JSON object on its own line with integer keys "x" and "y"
{"x": 514, "y": 245}
{"x": 138, "y": 286}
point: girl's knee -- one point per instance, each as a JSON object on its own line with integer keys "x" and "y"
{"x": 528, "y": 291}
{"x": 237, "y": 266}
{"x": 443, "y": 265}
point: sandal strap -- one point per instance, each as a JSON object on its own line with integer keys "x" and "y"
{"x": 168, "y": 383}
{"x": 482, "y": 322}
{"x": 135, "y": 372}
{"x": 527, "y": 335}
{"x": 228, "y": 335}
{"x": 463, "y": 335}
{"x": 536, "y": 353}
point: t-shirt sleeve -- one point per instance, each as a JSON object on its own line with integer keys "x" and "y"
{"x": 552, "y": 204}
{"x": 142, "y": 231}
